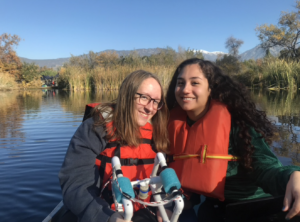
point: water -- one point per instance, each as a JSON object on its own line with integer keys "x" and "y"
{"x": 35, "y": 130}
{"x": 36, "y": 127}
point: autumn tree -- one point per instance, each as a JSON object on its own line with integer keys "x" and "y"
{"x": 7, "y": 52}
{"x": 285, "y": 34}
{"x": 233, "y": 45}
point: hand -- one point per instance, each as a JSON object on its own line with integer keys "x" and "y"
{"x": 117, "y": 217}
{"x": 159, "y": 218}
{"x": 292, "y": 193}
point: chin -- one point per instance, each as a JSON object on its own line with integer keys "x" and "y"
{"x": 142, "y": 123}
{"x": 186, "y": 107}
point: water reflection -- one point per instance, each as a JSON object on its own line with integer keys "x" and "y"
{"x": 17, "y": 106}
{"x": 76, "y": 101}
{"x": 284, "y": 108}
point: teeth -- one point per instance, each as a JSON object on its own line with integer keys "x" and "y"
{"x": 144, "y": 114}
{"x": 187, "y": 98}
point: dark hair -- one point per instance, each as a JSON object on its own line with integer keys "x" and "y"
{"x": 121, "y": 113}
{"x": 239, "y": 103}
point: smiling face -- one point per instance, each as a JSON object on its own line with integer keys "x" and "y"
{"x": 143, "y": 114}
{"x": 192, "y": 91}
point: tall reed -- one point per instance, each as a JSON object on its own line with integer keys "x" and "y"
{"x": 76, "y": 78}
{"x": 109, "y": 78}
{"x": 281, "y": 74}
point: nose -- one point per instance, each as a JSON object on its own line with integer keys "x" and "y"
{"x": 150, "y": 106}
{"x": 185, "y": 88}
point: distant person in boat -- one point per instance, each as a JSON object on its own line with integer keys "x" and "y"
{"x": 219, "y": 144}
{"x": 133, "y": 128}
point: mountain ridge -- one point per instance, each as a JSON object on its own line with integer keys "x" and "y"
{"x": 255, "y": 53}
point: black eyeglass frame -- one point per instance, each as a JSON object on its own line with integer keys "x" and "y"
{"x": 159, "y": 105}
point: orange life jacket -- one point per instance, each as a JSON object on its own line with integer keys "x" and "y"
{"x": 199, "y": 153}
{"x": 136, "y": 162}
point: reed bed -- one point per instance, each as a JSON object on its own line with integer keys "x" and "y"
{"x": 108, "y": 78}
{"x": 107, "y": 71}
{"x": 281, "y": 74}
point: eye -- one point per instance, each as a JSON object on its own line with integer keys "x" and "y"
{"x": 156, "y": 102}
{"x": 194, "y": 83}
{"x": 144, "y": 97}
{"x": 180, "y": 83}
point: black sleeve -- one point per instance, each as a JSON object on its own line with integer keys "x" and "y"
{"x": 79, "y": 176}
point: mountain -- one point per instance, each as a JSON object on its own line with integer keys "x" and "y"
{"x": 254, "y": 53}
{"x": 50, "y": 63}
{"x": 56, "y": 63}
{"x": 140, "y": 52}
{"x": 257, "y": 53}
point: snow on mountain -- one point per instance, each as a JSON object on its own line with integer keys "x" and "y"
{"x": 211, "y": 56}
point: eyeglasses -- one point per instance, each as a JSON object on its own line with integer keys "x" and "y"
{"x": 145, "y": 100}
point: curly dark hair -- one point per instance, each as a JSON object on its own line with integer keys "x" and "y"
{"x": 239, "y": 103}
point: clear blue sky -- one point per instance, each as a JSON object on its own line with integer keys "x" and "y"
{"x": 58, "y": 28}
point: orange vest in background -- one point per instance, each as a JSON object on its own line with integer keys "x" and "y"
{"x": 199, "y": 154}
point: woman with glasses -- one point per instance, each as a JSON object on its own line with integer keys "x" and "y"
{"x": 219, "y": 147}
{"x": 132, "y": 128}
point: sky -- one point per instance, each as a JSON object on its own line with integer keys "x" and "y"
{"x": 52, "y": 29}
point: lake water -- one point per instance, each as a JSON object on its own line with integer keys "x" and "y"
{"x": 36, "y": 127}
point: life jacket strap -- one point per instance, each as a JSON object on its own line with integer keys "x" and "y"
{"x": 127, "y": 161}
{"x": 124, "y": 161}
{"x": 115, "y": 144}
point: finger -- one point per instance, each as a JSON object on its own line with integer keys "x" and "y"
{"x": 287, "y": 201}
{"x": 158, "y": 216}
{"x": 159, "y": 219}
{"x": 295, "y": 210}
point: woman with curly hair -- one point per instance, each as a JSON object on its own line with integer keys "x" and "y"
{"x": 219, "y": 144}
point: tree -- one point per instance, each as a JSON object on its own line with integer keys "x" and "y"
{"x": 229, "y": 64}
{"x": 285, "y": 34}
{"x": 7, "y": 53}
{"x": 106, "y": 59}
{"x": 233, "y": 45}
{"x": 193, "y": 54}
{"x": 29, "y": 71}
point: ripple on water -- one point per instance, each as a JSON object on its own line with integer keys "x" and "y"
{"x": 30, "y": 158}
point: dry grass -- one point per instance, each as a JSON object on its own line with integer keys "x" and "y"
{"x": 109, "y": 78}
{"x": 7, "y": 81}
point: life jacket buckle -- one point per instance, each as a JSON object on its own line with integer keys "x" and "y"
{"x": 131, "y": 161}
